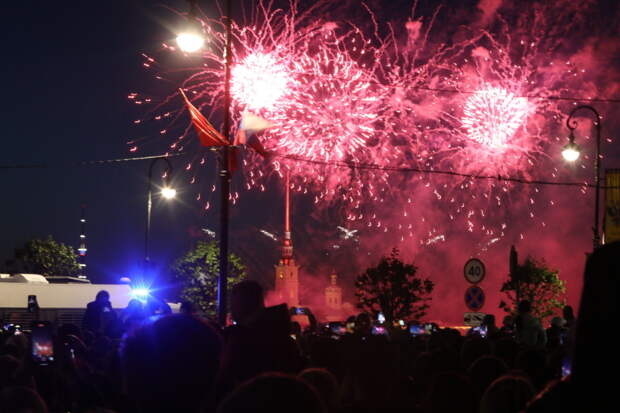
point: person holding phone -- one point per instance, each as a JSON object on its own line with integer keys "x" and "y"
{"x": 98, "y": 313}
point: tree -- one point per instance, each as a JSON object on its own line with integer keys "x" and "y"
{"x": 198, "y": 271}
{"x": 46, "y": 257}
{"x": 536, "y": 282}
{"x": 393, "y": 288}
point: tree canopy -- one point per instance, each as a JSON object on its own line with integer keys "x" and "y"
{"x": 197, "y": 271}
{"x": 46, "y": 257}
{"x": 394, "y": 289}
{"x": 536, "y": 282}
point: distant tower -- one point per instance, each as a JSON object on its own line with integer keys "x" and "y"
{"x": 287, "y": 272}
{"x": 82, "y": 248}
{"x": 333, "y": 299}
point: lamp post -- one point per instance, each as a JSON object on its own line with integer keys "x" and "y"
{"x": 222, "y": 281}
{"x": 191, "y": 41}
{"x": 571, "y": 152}
{"x": 167, "y": 192}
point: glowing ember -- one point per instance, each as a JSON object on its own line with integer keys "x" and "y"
{"x": 259, "y": 81}
{"x": 492, "y": 116}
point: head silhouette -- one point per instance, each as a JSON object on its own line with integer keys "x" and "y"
{"x": 507, "y": 394}
{"x": 246, "y": 299}
{"x": 171, "y": 364}
{"x": 275, "y": 393}
{"x": 524, "y": 306}
{"x": 102, "y": 296}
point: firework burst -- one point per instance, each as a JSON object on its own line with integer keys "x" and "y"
{"x": 260, "y": 81}
{"x": 334, "y": 94}
{"x": 492, "y": 115}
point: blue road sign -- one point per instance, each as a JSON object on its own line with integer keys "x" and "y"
{"x": 474, "y": 298}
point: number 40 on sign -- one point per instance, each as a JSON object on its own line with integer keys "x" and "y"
{"x": 474, "y": 271}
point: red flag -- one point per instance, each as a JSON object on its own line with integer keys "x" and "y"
{"x": 207, "y": 134}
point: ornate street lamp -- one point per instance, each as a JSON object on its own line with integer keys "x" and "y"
{"x": 571, "y": 153}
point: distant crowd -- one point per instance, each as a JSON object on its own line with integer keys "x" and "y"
{"x": 146, "y": 359}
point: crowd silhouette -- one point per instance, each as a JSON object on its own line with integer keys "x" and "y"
{"x": 146, "y": 359}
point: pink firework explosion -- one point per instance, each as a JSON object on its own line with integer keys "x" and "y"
{"x": 260, "y": 81}
{"x": 331, "y": 115}
{"x": 492, "y": 115}
{"x": 328, "y": 112}
{"x": 332, "y": 95}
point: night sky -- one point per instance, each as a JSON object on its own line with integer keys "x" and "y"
{"x": 67, "y": 72}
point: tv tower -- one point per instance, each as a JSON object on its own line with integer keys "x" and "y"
{"x": 287, "y": 272}
{"x": 82, "y": 248}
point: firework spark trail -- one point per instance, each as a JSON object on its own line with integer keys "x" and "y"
{"x": 334, "y": 94}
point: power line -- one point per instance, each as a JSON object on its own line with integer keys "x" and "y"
{"x": 566, "y": 98}
{"x": 356, "y": 165}
{"x": 88, "y": 163}
{"x": 338, "y": 164}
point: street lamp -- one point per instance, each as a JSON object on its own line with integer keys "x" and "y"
{"x": 571, "y": 153}
{"x": 571, "y": 150}
{"x": 190, "y": 42}
{"x": 191, "y": 39}
{"x": 222, "y": 281}
{"x": 167, "y": 192}
{"x": 225, "y": 173}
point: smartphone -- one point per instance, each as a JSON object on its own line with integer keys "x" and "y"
{"x": 350, "y": 326}
{"x": 42, "y": 343}
{"x": 416, "y": 330}
{"x": 378, "y": 331}
{"x": 33, "y": 306}
{"x": 430, "y": 328}
{"x": 566, "y": 367}
{"x": 337, "y": 328}
{"x": 12, "y": 329}
{"x": 480, "y": 330}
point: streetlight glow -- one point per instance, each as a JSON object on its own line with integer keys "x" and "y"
{"x": 190, "y": 42}
{"x": 168, "y": 192}
{"x": 571, "y": 152}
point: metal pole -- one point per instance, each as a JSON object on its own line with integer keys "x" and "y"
{"x": 572, "y": 124}
{"x": 222, "y": 284}
{"x": 597, "y": 166}
{"x": 149, "y": 205}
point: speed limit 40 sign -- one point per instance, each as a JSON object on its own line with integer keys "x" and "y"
{"x": 474, "y": 271}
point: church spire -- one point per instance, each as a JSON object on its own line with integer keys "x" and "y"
{"x": 287, "y": 246}
{"x": 287, "y": 272}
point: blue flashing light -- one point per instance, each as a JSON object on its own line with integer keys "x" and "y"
{"x": 140, "y": 293}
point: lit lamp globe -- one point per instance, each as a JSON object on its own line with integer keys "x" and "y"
{"x": 190, "y": 42}
{"x": 571, "y": 152}
{"x": 168, "y": 192}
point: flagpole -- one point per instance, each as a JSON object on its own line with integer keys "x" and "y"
{"x": 222, "y": 284}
